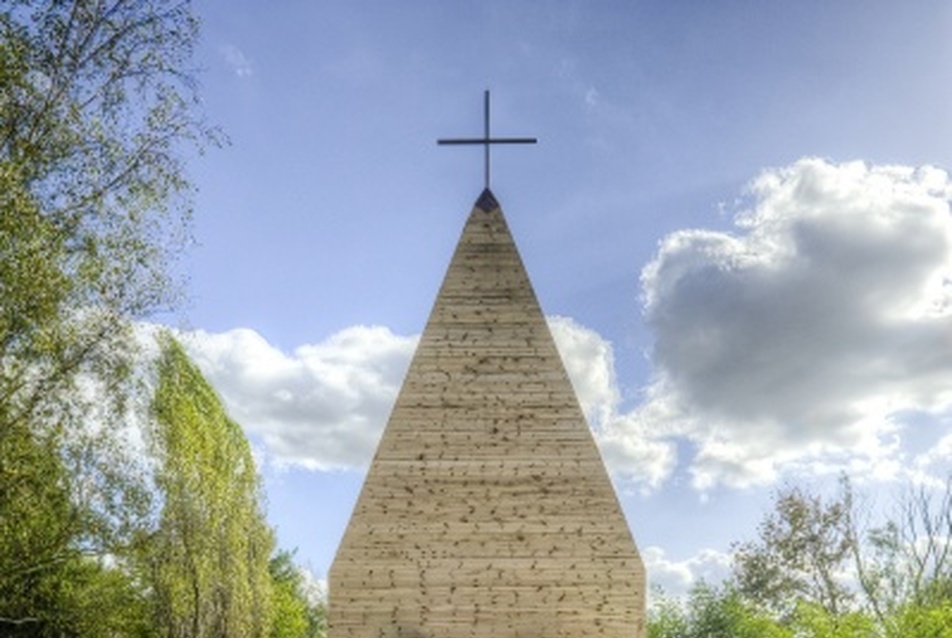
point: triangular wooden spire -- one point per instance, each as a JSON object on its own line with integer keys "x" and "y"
{"x": 487, "y": 510}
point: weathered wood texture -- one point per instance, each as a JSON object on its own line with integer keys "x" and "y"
{"x": 487, "y": 511}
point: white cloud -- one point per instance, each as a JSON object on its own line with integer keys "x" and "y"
{"x": 590, "y": 363}
{"x": 322, "y": 406}
{"x": 795, "y": 341}
{"x": 314, "y": 588}
{"x": 627, "y": 441}
{"x": 236, "y": 60}
{"x": 675, "y": 578}
{"x": 932, "y": 466}
{"x": 793, "y": 345}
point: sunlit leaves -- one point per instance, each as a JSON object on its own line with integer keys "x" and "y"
{"x": 813, "y": 572}
{"x": 296, "y": 612}
{"x": 803, "y": 545}
{"x": 97, "y": 111}
{"x": 211, "y": 550}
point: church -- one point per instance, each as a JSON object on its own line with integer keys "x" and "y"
{"x": 487, "y": 511}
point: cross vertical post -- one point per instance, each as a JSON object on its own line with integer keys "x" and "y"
{"x": 486, "y": 136}
{"x": 487, "y": 139}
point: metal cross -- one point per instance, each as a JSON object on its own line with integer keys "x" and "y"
{"x": 486, "y": 140}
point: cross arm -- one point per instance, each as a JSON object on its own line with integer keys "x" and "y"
{"x": 486, "y": 140}
{"x": 492, "y": 140}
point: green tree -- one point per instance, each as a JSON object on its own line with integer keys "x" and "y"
{"x": 814, "y": 572}
{"x": 289, "y": 607}
{"x": 803, "y": 545}
{"x": 812, "y": 620}
{"x": 712, "y": 612}
{"x": 666, "y": 618}
{"x": 909, "y": 558}
{"x": 63, "y": 542}
{"x": 96, "y": 109}
{"x": 297, "y": 612}
{"x": 810, "y": 548}
{"x": 210, "y": 553}
{"x": 723, "y": 613}
{"x": 32, "y": 557}
{"x": 922, "y": 621}
{"x": 99, "y": 599}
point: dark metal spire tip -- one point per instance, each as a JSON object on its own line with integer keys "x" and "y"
{"x": 487, "y": 201}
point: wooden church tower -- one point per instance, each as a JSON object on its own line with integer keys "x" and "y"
{"x": 487, "y": 511}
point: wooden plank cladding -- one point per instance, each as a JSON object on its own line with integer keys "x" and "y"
{"x": 487, "y": 511}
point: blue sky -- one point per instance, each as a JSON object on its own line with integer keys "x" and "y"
{"x": 737, "y": 218}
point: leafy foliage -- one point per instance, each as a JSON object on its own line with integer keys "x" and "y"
{"x": 210, "y": 553}
{"x": 802, "y": 547}
{"x": 297, "y": 611}
{"x": 94, "y": 109}
{"x": 712, "y": 612}
{"x": 97, "y": 115}
{"x": 813, "y": 573}
{"x": 923, "y": 621}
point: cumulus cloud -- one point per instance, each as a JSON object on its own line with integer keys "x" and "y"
{"x": 590, "y": 363}
{"x": 795, "y": 343}
{"x": 322, "y": 406}
{"x": 627, "y": 440}
{"x": 931, "y": 467}
{"x": 675, "y": 578}
{"x": 796, "y": 340}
